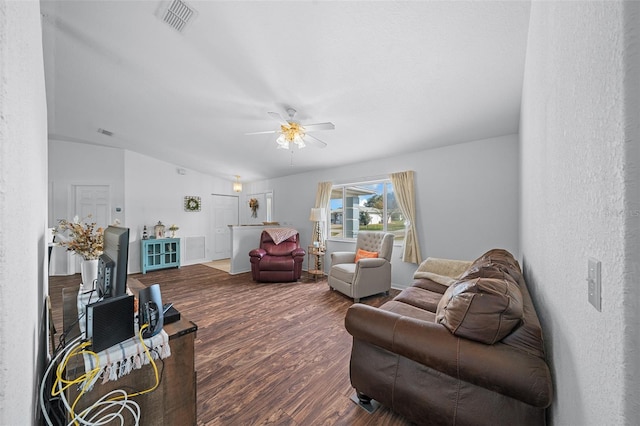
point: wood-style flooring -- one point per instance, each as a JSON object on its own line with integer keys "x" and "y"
{"x": 265, "y": 353}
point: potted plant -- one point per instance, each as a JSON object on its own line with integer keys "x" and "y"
{"x": 85, "y": 239}
{"x": 173, "y": 228}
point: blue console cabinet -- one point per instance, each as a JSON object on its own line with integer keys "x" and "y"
{"x": 160, "y": 253}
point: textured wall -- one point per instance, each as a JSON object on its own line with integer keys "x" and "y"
{"x": 23, "y": 206}
{"x": 575, "y": 177}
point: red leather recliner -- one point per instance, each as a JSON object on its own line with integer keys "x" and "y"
{"x": 277, "y": 262}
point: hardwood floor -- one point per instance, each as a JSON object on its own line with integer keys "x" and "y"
{"x": 265, "y": 353}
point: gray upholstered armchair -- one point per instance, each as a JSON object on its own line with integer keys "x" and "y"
{"x": 367, "y": 276}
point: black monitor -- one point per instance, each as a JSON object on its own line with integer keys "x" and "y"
{"x": 112, "y": 267}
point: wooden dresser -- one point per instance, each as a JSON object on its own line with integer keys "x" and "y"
{"x": 174, "y": 401}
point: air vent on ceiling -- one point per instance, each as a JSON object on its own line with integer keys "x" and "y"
{"x": 178, "y": 15}
{"x": 105, "y": 132}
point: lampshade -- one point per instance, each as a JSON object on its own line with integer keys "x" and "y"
{"x": 283, "y": 143}
{"x": 317, "y": 214}
{"x": 299, "y": 141}
{"x": 237, "y": 185}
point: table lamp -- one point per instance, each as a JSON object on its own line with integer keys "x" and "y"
{"x": 317, "y": 216}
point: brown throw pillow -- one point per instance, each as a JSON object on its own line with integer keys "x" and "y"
{"x": 482, "y": 309}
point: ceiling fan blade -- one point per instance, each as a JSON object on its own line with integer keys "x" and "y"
{"x": 318, "y": 126}
{"x": 276, "y": 116}
{"x": 262, "y": 133}
{"x": 312, "y": 140}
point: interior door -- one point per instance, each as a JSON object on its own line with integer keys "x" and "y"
{"x": 225, "y": 213}
{"x": 93, "y": 201}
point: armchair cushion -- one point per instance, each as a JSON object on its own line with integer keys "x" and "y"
{"x": 363, "y": 254}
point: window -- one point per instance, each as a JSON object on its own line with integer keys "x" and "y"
{"x": 365, "y": 206}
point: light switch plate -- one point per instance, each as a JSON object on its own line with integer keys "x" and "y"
{"x": 594, "y": 282}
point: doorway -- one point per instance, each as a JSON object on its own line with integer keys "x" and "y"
{"x": 225, "y": 212}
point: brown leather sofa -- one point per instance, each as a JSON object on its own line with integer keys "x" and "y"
{"x": 277, "y": 261}
{"x": 462, "y": 351}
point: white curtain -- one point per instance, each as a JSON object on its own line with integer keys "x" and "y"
{"x": 323, "y": 195}
{"x": 405, "y": 195}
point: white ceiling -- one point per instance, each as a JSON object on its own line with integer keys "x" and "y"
{"x": 394, "y": 77}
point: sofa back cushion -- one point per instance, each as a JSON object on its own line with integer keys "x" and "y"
{"x": 486, "y": 269}
{"x": 481, "y": 309}
{"x": 500, "y": 259}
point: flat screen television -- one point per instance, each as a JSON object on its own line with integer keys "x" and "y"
{"x": 113, "y": 262}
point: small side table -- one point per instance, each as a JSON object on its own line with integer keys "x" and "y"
{"x": 315, "y": 269}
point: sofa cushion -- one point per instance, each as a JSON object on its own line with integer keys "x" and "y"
{"x": 502, "y": 259}
{"x": 482, "y": 309}
{"x": 363, "y": 254}
{"x": 486, "y": 269}
{"x": 406, "y": 310}
{"x": 420, "y": 298}
{"x": 430, "y": 285}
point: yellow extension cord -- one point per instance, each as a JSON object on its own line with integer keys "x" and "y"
{"x": 88, "y": 377}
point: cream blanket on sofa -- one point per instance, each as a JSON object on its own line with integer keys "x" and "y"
{"x": 442, "y": 271}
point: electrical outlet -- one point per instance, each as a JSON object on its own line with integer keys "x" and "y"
{"x": 594, "y": 282}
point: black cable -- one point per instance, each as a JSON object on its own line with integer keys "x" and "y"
{"x": 161, "y": 362}
{"x": 62, "y": 338}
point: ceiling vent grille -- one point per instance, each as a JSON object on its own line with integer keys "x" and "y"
{"x": 178, "y": 15}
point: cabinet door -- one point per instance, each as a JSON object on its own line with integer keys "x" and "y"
{"x": 154, "y": 254}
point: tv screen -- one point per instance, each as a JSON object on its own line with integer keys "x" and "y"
{"x": 112, "y": 268}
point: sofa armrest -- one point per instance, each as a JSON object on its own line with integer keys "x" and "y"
{"x": 338, "y": 257}
{"x": 496, "y": 367}
{"x": 258, "y": 253}
{"x": 299, "y": 252}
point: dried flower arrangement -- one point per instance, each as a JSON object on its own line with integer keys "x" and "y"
{"x": 254, "y": 205}
{"x": 82, "y": 237}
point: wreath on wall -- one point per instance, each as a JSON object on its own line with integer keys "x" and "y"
{"x": 192, "y": 203}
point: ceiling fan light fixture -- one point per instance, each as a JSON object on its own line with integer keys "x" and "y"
{"x": 282, "y": 141}
{"x": 299, "y": 141}
{"x": 291, "y": 132}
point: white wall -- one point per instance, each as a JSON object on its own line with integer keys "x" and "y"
{"x": 467, "y": 198}
{"x": 580, "y": 200}
{"x": 155, "y": 191}
{"x": 23, "y": 206}
{"x": 145, "y": 189}
{"x": 72, "y": 164}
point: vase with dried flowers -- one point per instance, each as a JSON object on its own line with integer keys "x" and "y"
{"x": 254, "y": 205}
{"x": 173, "y": 228}
{"x": 85, "y": 239}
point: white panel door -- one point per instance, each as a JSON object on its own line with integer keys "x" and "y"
{"x": 94, "y": 201}
{"x": 225, "y": 213}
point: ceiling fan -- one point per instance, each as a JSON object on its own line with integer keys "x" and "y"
{"x": 294, "y": 133}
